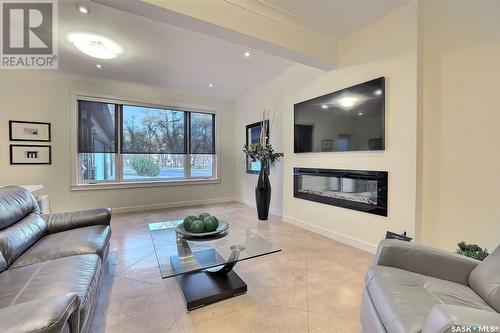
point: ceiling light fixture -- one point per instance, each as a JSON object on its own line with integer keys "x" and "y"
{"x": 348, "y": 101}
{"x": 378, "y": 92}
{"x": 96, "y": 46}
{"x": 82, "y": 9}
{"x": 360, "y": 113}
{"x": 247, "y": 54}
{"x": 98, "y": 66}
{"x": 324, "y": 106}
{"x": 211, "y": 85}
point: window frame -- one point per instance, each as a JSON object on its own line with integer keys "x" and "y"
{"x": 119, "y": 182}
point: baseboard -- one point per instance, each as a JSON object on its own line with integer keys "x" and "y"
{"x": 252, "y": 204}
{"x": 351, "y": 241}
{"x": 138, "y": 208}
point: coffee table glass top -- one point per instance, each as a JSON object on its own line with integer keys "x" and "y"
{"x": 178, "y": 255}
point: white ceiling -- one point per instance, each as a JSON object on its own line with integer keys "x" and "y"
{"x": 178, "y": 59}
{"x": 335, "y": 18}
{"x": 163, "y": 55}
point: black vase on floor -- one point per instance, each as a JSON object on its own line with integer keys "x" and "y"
{"x": 263, "y": 193}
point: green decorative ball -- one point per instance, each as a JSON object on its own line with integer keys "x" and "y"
{"x": 188, "y": 221}
{"x": 203, "y": 216}
{"x": 197, "y": 227}
{"x": 211, "y": 223}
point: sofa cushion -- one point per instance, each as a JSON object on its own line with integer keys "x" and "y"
{"x": 43, "y": 315}
{"x": 77, "y": 274}
{"x": 15, "y": 203}
{"x": 3, "y": 263}
{"x": 404, "y": 299}
{"x": 17, "y": 238}
{"x": 485, "y": 279}
{"x": 88, "y": 240}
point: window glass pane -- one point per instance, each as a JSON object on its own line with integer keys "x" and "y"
{"x": 96, "y": 127}
{"x": 151, "y": 130}
{"x": 152, "y": 166}
{"x": 202, "y": 133}
{"x": 202, "y": 165}
{"x": 96, "y": 167}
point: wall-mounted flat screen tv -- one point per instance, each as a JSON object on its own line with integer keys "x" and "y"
{"x": 351, "y": 119}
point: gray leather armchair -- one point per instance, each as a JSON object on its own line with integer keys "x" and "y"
{"x": 414, "y": 288}
{"x": 50, "y": 265}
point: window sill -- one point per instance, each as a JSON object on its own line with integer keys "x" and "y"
{"x": 143, "y": 184}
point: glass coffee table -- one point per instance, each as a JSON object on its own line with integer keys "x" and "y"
{"x": 203, "y": 266}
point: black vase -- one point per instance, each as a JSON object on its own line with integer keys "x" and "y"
{"x": 263, "y": 193}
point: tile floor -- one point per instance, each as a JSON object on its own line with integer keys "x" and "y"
{"x": 313, "y": 285}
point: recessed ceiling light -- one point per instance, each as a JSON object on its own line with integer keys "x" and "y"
{"x": 378, "y": 92}
{"x": 324, "y": 106}
{"x": 360, "y": 113}
{"x": 348, "y": 101}
{"x": 247, "y": 54}
{"x": 211, "y": 85}
{"x": 83, "y": 9}
{"x": 96, "y": 46}
{"x": 98, "y": 66}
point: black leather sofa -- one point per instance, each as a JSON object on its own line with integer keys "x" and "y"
{"x": 50, "y": 265}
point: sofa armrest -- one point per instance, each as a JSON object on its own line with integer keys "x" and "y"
{"x": 58, "y": 222}
{"x": 425, "y": 260}
{"x": 447, "y": 318}
{"x": 44, "y": 315}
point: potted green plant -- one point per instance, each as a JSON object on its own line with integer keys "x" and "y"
{"x": 472, "y": 251}
{"x": 263, "y": 152}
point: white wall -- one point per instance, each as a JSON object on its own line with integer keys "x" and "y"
{"x": 47, "y": 97}
{"x": 441, "y": 64}
{"x": 269, "y": 96}
{"x": 249, "y": 107}
{"x": 461, "y": 123}
{"x": 361, "y": 58}
{"x": 387, "y": 47}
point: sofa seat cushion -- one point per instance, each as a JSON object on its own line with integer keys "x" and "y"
{"x": 77, "y": 274}
{"x": 404, "y": 299}
{"x": 18, "y": 238}
{"x": 87, "y": 240}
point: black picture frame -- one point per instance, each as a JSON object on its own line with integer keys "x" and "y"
{"x": 326, "y": 145}
{"x": 254, "y": 126}
{"x": 34, "y": 146}
{"x": 11, "y": 134}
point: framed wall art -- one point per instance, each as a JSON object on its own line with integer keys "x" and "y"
{"x": 327, "y": 145}
{"x": 29, "y": 131}
{"x": 30, "y": 155}
{"x": 252, "y": 137}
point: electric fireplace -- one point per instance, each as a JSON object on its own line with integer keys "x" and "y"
{"x": 365, "y": 191}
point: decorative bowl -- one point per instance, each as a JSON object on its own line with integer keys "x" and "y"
{"x": 223, "y": 226}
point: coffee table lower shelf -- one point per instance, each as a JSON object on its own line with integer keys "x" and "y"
{"x": 203, "y": 267}
{"x": 203, "y": 288}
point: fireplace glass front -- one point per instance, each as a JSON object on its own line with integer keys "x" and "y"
{"x": 365, "y": 191}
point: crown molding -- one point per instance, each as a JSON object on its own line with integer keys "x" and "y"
{"x": 281, "y": 16}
